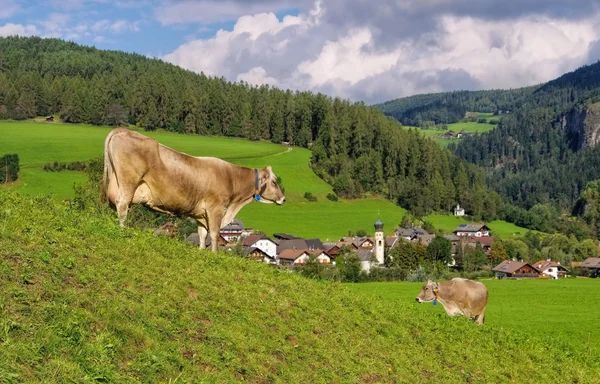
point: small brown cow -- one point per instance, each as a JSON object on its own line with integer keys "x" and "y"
{"x": 139, "y": 170}
{"x": 458, "y": 297}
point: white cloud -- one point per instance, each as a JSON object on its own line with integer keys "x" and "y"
{"x": 257, "y": 76}
{"x": 116, "y": 27}
{"x": 18, "y": 29}
{"x": 360, "y": 60}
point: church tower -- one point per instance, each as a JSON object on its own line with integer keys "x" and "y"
{"x": 379, "y": 241}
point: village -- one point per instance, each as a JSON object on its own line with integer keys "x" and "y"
{"x": 289, "y": 251}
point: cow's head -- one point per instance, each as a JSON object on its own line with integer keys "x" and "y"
{"x": 269, "y": 189}
{"x": 428, "y": 292}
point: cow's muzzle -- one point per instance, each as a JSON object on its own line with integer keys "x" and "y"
{"x": 281, "y": 201}
{"x": 418, "y": 300}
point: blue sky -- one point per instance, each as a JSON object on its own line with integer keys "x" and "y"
{"x": 356, "y": 49}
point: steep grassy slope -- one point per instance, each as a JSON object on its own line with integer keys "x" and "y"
{"x": 83, "y": 300}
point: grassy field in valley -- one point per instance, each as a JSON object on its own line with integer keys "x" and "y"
{"x": 86, "y": 301}
{"x": 550, "y": 310}
{"x": 41, "y": 143}
{"x": 499, "y": 228}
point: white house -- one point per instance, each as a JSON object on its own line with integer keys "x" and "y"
{"x": 551, "y": 268}
{"x": 459, "y": 211}
{"x": 293, "y": 256}
{"x": 472, "y": 230}
{"x": 261, "y": 242}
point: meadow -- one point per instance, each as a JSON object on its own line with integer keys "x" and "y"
{"x": 41, "y": 143}
{"x": 86, "y": 301}
{"x": 555, "y": 311}
{"x": 468, "y": 127}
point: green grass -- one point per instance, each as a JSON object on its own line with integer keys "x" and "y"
{"x": 499, "y": 228}
{"x": 85, "y": 301}
{"x": 564, "y": 309}
{"x": 40, "y": 143}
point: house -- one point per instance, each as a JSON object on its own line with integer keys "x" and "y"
{"x": 195, "y": 239}
{"x": 459, "y": 211}
{"x": 331, "y": 249}
{"x": 321, "y": 256}
{"x": 410, "y": 233}
{"x": 449, "y": 134}
{"x": 551, "y": 268}
{"x": 261, "y": 242}
{"x": 358, "y": 242}
{"x": 515, "y": 269}
{"x": 485, "y": 241}
{"x": 292, "y": 257}
{"x": 390, "y": 241}
{"x": 367, "y": 258}
{"x": 314, "y": 244}
{"x": 50, "y": 118}
{"x": 295, "y": 244}
{"x": 477, "y": 230}
{"x": 424, "y": 239}
{"x": 233, "y": 231}
{"x": 591, "y": 265}
{"x": 284, "y": 236}
{"x": 258, "y": 254}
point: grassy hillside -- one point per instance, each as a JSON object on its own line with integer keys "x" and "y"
{"x": 545, "y": 309}
{"x": 83, "y": 300}
{"x": 41, "y": 143}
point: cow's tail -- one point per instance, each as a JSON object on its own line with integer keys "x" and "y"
{"x": 107, "y": 166}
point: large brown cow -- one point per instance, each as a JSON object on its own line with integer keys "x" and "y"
{"x": 139, "y": 170}
{"x": 458, "y": 297}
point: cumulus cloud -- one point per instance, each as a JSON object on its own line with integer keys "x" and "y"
{"x": 362, "y": 51}
{"x": 18, "y": 29}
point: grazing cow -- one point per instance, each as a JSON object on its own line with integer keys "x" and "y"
{"x": 458, "y": 297}
{"x": 139, "y": 170}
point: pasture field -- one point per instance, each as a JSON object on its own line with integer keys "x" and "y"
{"x": 86, "y": 301}
{"x": 551, "y": 310}
{"x": 437, "y": 135}
{"x": 499, "y": 228}
{"x": 41, "y": 143}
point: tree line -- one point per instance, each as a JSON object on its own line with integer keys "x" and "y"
{"x": 9, "y": 166}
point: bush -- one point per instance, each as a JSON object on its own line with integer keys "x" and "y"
{"x": 57, "y": 167}
{"x": 361, "y": 233}
{"x": 9, "y": 168}
{"x": 332, "y": 197}
{"x": 494, "y": 121}
{"x": 482, "y": 120}
{"x": 310, "y": 197}
{"x": 417, "y": 275}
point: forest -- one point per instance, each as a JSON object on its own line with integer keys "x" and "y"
{"x": 355, "y": 147}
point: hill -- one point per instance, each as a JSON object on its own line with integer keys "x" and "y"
{"x": 42, "y": 143}
{"x": 544, "y": 151}
{"x": 355, "y": 148}
{"x": 83, "y": 300}
{"x": 451, "y": 107}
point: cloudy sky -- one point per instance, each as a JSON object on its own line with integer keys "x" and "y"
{"x": 363, "y": 50}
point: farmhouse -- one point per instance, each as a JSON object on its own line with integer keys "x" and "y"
{"x": 591, "y": 266}
{"x": 367, "y": 258}
{"x": 261, "y": 242}
{"x": 391, "y": 241}
{"x": 331, "y": 249}
{"x": 357, "y": 242}
{"x": 515, "y": 269}
{"x": 293, "y": 257}
{"x": 551, "y": 269}
{"x": 477, "y": 230}
{"x": 235, "y": 230}
{"x": 410, "y": 233}
{"x": 258, "y": 254}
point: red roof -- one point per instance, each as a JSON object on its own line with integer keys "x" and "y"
{"x": 249, "y": 240}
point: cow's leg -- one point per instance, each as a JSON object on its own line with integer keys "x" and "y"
{"x": 481, "y": 317}
{"x": 214, "y": 227}
{"x": 202, "y": 233}
{"x": 123, "y": 201}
